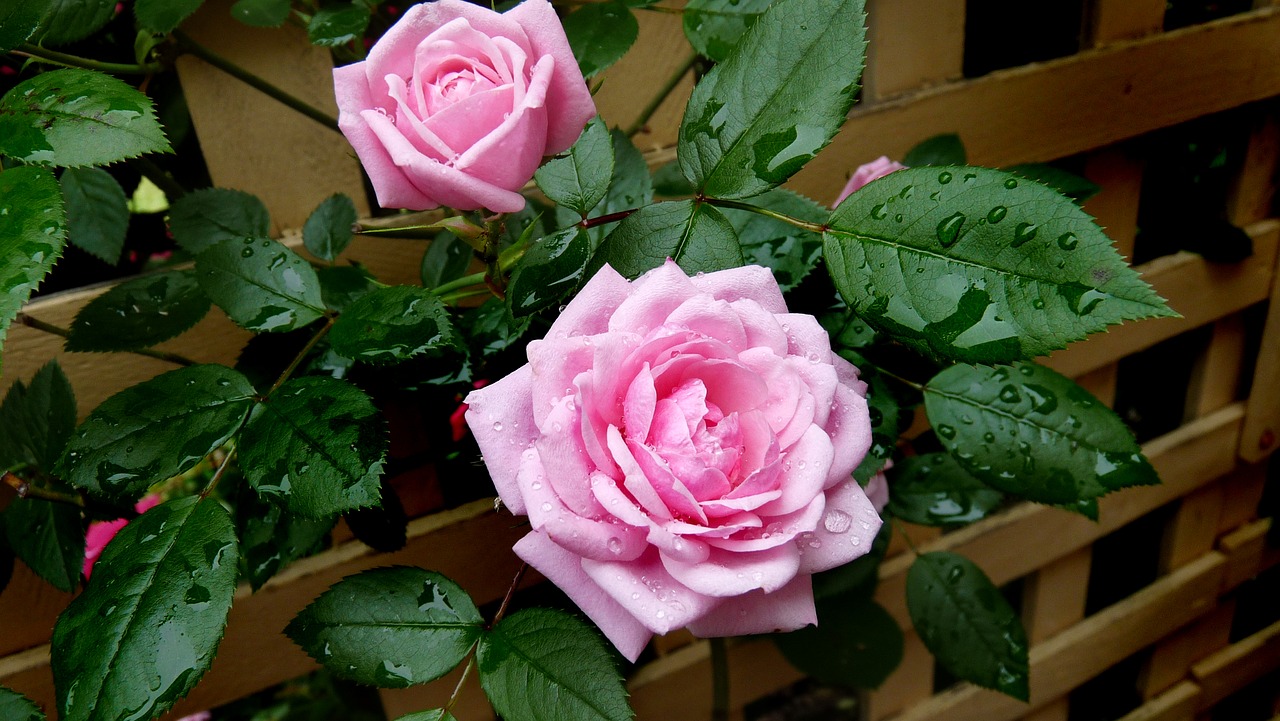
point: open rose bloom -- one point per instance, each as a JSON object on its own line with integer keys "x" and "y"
{"x": 682, "y": 447}
{"x": 456, "y": 105}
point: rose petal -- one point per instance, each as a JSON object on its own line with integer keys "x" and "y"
{"x": 508, "y": 156}
{"x": 677, "y": 546}
{"x": 806, "y": 337}
{"x": 653, "y": 296}
{"x": 675, "y": 496}
{"x": 786, "y": 609}
{"x": 501, "y": 418}
{"x": 848, "y": 528}
{"x": 636, "y": 482}
{"x": 762, "y": 327}
{"x": 565, "y": 570}
{"x": 779, "y": 530}
{"x": 569, "y": 102}
{"x": 849, "y": 427}
{"x": 710, "y": 317}
{"x": 639, "y": 405}
{"x": 565, "y": 459}
{"x": 804, "y": 472}
{"x": 616, "y": 502}
{"x": 732, "y": 574}
{"x": 583, "y": 536}
{"x": 750, "y": 281}
{"x": 592, "y": 307}
{"x": 645, "y": 589}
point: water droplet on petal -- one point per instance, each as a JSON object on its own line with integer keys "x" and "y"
{"x": 837, "y": 521}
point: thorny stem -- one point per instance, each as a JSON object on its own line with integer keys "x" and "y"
{"x": 297, "y": 360}
{"x": 721, "y": 202}
{"x": 906, "y": 536}
{"x": 453, "y": 697}
{"x": 719, "y": 679}
{"x": 218, "y": 474}
{"x": 900, "y": 379}
{"x": 26, "y": 490}
{"x": 506, "y": 600}
{"x": 187, "y": 45}
{"x": 50, "y": 328}
{"x": 45, "y": 55}
{"x": 656, "y": 101}
{"x": 471, "y": 655}
{"x": 605, "y": 219}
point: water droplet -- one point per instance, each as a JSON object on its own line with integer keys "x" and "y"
{"x": 537, "y": 485}
{"x": 497, "y": 425}
{"x": 1068, "y": 241}
{"x": 949, "y": 229}
{"x": 955, "y": 574}
{"x": 837, "y": 521}
{"x": 989, "y": 437}
{"x": 615, "y": 545}
{"x": 546, "y": 508}
{"x": 907, "y": 192}
{"x": 879, "y": 212}
{"x": 1038, "y": 304}
{"x": 247, "y": 252}
{"x": 1024, "y": 233}
{"x": 944, "y": 177}
{"x": 1009, "y": 394}
{"x": 1010, "y": 183}
{"x": 997, "y": 214}
{"x": 946, "y": 431}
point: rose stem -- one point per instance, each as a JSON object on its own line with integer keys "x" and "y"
{"x": 812, "y": 227}
{"x": 661, "y": 95}
{"x": 26, "y": 490}
{"x": 719, "y": 679}
{"x": 906, "y": 536}
{"x": 44, "y": 55}
{"x": 453, "y": 697}
{"x": 899, "y": 378}
{"x": 222, "y": 470}
{"x": 187, "y": 45}
{"x": 297, "y": 360}
{"x": 52, "y": 329}
{"x": 511, "y": 591}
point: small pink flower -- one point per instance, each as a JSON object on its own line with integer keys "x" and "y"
{"x": 866, "y": 173}
{"x": 457, "y": 419}
{"x": 202, "y": 716}
{"x": 682, "y": 447}
{"x": 878, "y": 488}
{"x": 100, "y": 533}
{"x": 457, "y": 104}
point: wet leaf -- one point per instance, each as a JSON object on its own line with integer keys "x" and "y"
{"x": 261, "y": 13}
{"x": 790, "y": 252}
{"x": 389, "y": 627}
{"x": 316, "y": 446}
{"x": 163, "y": 16}
{"x": 384, "y": 527}
{"x": 340, "y": 286}
{"x": 327, "y": 231}
{"x": 262, "y": 285}
{"x": 714, "y": 27}
{"x": 435, "y": 714}
{"x": 339, "y": 24}
{"x": 148, "y": 625}
{"x": 540, "y": 663}
{"x": 36, "y": 420}
{"x": 271, "y": 538}
{"x": 490, "y": 329}
{"x": 550, "y": 270}
{"x": 446, "y": 259}
{"x": 979, "y": 265}
{"x": 75, "y": 117}
{"x": 97, "y": 212}
{"x": 139, "y": 313}
{"x": 33, "y": 233}
{"x": 695, "y": 235}
{"x": 600, "y": 34}
{"x": 889, "y": 418}
{"x": 776, "y": 100}
{"x": 203, "y": 218}
{"x": 71, "y": 20}
{"x": 16, "y": 707}
{"x": 580, "y": 180}
{"x": 933, "y": 490}
{"x": 155, "y": 430}
{"x": 19, "y": 19}
{"x": 945, "y": 149}
{"x": 1069, "y": 184}
{"x": 856, "y": 644}
{"x": 966, "y": 623}
{"x": 49, "y": 538}
{"x": 1029, "y": 431}
{"x": 393, "y": 324}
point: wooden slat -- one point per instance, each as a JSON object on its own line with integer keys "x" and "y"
{"x": 1253, "y": 188}
{"x": 1112, "y": 20}
{"x": 1063, "y": 107}
{"x": 910, "y": 683}
{"x": 1052, "y": 600}
{"x": 1201, "y": 291}
{"x": 1172, "y": 658}
{"x": 1089, "y": 647}
{"x": 911, "y": 44}
{"x": 1176, "y": 704}
{"x": 1242, "y": 492}
{"x": 1248, "y": 552}
{"x": 1238, "y": 665}
{"x": 1262, "y": 414}
{"x": 1215, "y": 378}
{"x": 678, "y": 686}
{"x": 660, "y": 50}
{"x": 1193, "y": 529}
{"x": 253, "y": 143}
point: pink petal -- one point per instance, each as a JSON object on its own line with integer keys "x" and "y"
{"x": 730, "y": 385}
{"x": 556, "y": 362}
{"x": 589, "y": 311}
{"x": 565, "y": 570}
{"x": 762, "y": 327}
{"x": 501, "y": 417}
{"x": 636, "y": 482}
{"x": 653, "y": 296}
{"x": 804, "y": 472}
{"x": 848, "y": 527}
{"x": 780, "y": 529}
{"x": 732, "y": 574}
{"x": 648, "y": 592}
{"x": 616, "y": 502}
{"x": 806, "y": 337}
{"x": 639, "y": 405}
{"x": 850, "y": 429}
{"x": 752, "y": 282}
{"x": 675, "y": 496}
{"x": 569, "y": 102}
{"x": 508, "y": 156}
{"x": 565, "y": 460}
{"x": 585, "y": 537}
{"x": 866, "y": 173}
{"x": 710, "y": 317}
{"x": 786, "y": 609}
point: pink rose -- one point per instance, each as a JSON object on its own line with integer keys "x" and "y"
{"x": 457, "y": 105}
{"x": 866, "y": 173}
{"x": 683, "y": 449}
{"x": 100, "y": 533}
{"x": 878, "y": 488}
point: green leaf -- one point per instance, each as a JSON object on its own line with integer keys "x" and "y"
{"x": 846, "y": 329}
{"x": 389, "y": 627}
{"x": 155, "y": 430}
{"x": 204, "y": 218}
{"x": 1069, "y": 184}
{"x": 19, "y": 19}
{"x": 933, "y": 490}
{"x": 33, "y": 233}
{"x": 978, "y": 265}
{"x": 271, "y": 538}
{"x": 393, "y": 324}
{"x": 669, "y": 182}
{"x": 1030, "y": 431}
{"x": 714, "y": 27}
{"x": 1087, "y": 508}
{"x": 97, "y": 212}
{"x": 341, "y": 286}
{"x": 580, "y": 180}
{"x": 946, "y": 149}
{"x": 74, "y": 117}
{"x": 549, "y": 271}
{"x": 139, "y": 313}
{"x": 779, "y": 98}
{"x": 49, "y": 538}
{"x": 72, "y": 20}
{"x": 262, "y": 285}
{"x": 338, "y": 25}
{"x": 327, "y": 231}
{"x": 37, "y": 420}
{"x": 16, "y": 707}
{"x": 316, "y": 446}
{"x": 695, "y": 235}
{"x": 545, "y": 664}
{"x": 788, "y": 251}
{"x": 261, "y": 13}
{"x": 147, "y": 627}
{"x": 163, "y": 16}
{"x": 630, "y": 188}
{"x": 491, "y": 330}
{"x": 600, "y": 34}
{"x": 435, "y": 714}
{"x": 446, "y": 259}
{"x": 966, "y": 623}
{"x": 888, "y": 420}
{"x": 855, "y": 644}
